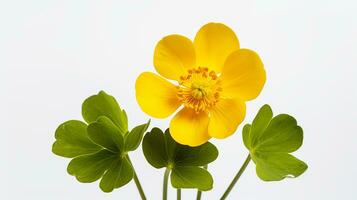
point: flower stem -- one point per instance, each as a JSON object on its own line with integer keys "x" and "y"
{"x": 235, "y": 179}
{"x": 137, "y": 182}
{"x": 199, "y": 192}
{"x": 164, "y": 189}
{"x": 178, "y": 194}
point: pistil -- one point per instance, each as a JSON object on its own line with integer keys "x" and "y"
{"x": 199, "y": 89}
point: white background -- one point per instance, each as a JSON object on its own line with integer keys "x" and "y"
{"x": 54, "y": 54}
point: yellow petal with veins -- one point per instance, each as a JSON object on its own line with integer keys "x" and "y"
{"x": 243, "y": 75}
{"x": 225, "y": 117}
{"x": 189, "y": 127}
{"x": 213, "y": 43}
{"x": 173, "y": 56}
{"x": 155, "y": 95}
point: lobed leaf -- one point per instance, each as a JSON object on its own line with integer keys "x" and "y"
{"x": 104, "y": 133}
{"x": 270, "y": 140}
{"x": 171, "y": 146}
{"x": 99, "y": 150}
{"x": 154, "y": 148}
{"x": 282, "y": 135}
{"x": 191, "y": 177}
{"x": 89, "y": 168}
{"x": 161, "y": 150}
{"x": 196, "y": 156}
{"x": 133, "y": 139}
{"x": 246, "y": 136}
{"x": 119, "y": 174}
{"x": 72, "y": 140}
{"x": 260, "y": 122}
{"x": 277, "y": 166}
{"x": 103, "y": 104}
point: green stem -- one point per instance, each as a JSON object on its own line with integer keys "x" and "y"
{"x": 137, "y": 182}
{"x": 178, "y": 194}
{"x": 235, "y": 179}
{"x": 138, "y": 185}
{"x": 199, "y": 192}
{"x": 164, "y": 189}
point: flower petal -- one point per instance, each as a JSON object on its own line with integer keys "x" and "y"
{"x": 155, "y": 95}
{"x": 225, "y": 117}
{"x": 243, "y": 75}
{"x": 189, "y": 127}
{"x": 213, "y": 43}
{"x": 173, "y": 55}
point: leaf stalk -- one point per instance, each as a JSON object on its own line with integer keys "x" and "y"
{"x": 137, "y": 182}
{"x": 166, "y": 178}
{"x": 236, "y": 178}
{"x": 179, "y": 194}
{"x": 199, "y": 192}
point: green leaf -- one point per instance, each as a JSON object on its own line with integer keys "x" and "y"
{"x": 282, "y": 135}
{"x": 183, "y": 155}
{"x": 99, "y": 150}
{"x": 133, "y": 139}
{"x": 154, "y": 148}
{"x": 103, "y": 104}
{"x": 161, "y": 150}
{"x": 104, "y": 133}
{"x": 89, "y": 168}
{"x": 246, "y": 135}
{"x": 196, "y": 156}
{"x": 124, "y": 120}
{"x": 270, "y": 140}
{"x": 171, "y": 146}
{"x": 119, "y": 174}
{"x": 260, "y": 123}
{"x": 277, "y": 166}
{"x": 72, "y": 140}
{"x": 191, "y": 177}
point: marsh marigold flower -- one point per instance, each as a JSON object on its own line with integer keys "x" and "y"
{"x": 211, "y": 78}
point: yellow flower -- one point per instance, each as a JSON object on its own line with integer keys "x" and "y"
{"x": 214, "y": 77}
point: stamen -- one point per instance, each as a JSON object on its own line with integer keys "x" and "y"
{"x": 199, "y": 89}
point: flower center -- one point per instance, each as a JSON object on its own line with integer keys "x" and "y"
{"x": 199, "y": 89}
